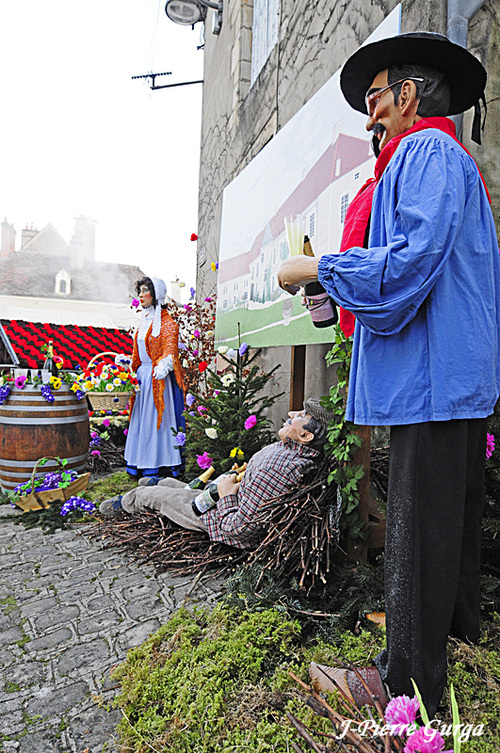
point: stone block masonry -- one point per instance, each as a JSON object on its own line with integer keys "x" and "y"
{"x": 69, "y": 612}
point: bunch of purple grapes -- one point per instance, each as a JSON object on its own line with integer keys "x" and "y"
{"x": 4, "y": 393}
{"x": 47, "y": 393}
{"x": 49, "y": 481}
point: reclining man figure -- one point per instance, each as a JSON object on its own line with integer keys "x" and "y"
{"x": 271, "y": 472}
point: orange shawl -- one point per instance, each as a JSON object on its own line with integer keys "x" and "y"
{"x": 157, "y": 348}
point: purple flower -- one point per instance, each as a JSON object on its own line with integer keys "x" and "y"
{"x": 243, "y": 349}
{"x": 490, "y": 445}
{"x": 180, "y": 439}
{"x": 195, "y": 352}
{"x": 106, "y": 422}
{"x": 125, "y": 431}
{"x": 401, "y": 710}
{"x": 182, "y": 346}
{"x": 209, "y": 300}
{"x": 20, "y": 381}
{"x": 135, "y": 303}
{"x": 204, "y": 461}
{"x": 192, "y": 292}
{"x": 425, "y": 740}
{"x": 77, "y": 503}
{"x": 201, "y": 409}
{"x": 187, "y": 307}
{"x": 94, "y": 435}
{"x": 197, "y": 333}
{"x": 250, "y": 422}
{"x": 189, "y": 399}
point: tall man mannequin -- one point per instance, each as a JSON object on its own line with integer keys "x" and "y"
{"x": 426, "y": 351}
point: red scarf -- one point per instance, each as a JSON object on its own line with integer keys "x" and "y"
{"x": 357, "y": 218}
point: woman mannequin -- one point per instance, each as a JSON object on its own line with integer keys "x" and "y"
{"x": 157, "y": 408}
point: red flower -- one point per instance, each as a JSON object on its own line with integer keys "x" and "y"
{"x": 194, "y": 237}
{"x": 202, "y": 366}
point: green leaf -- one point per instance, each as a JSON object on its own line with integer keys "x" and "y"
{"x": 456, "y": 721}
{"x": 422, "y": 709}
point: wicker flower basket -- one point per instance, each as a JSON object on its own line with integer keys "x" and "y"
{"x": 40, "y": 500}
{"x": 108, "y": 400}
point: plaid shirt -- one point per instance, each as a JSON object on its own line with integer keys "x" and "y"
{"x": 271, "y": 472}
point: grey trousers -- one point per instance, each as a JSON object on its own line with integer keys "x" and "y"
{"x": 170, "y": 498}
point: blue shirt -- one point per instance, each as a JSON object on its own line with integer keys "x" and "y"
{"x": 426, "y": 293}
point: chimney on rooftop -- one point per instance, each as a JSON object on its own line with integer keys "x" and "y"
{"x": 8, "y": 243}
{"x": 27, "y": 234}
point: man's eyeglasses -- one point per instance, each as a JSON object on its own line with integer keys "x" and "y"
{"x": 372, "y": 100}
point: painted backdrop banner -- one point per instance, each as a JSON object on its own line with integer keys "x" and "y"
{"x": 311, "y": 169}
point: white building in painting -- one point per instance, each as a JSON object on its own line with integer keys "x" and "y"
{"x": 321, "y": 198}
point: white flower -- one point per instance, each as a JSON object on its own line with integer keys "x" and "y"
{"x": 185, "y": 363}
{"x": 231, "y": 353}
{"x": 137, "y": 388}
{"x": 109, "y": 388}
{"x": 211, "y": 433}
{"x": 117, "y": 382}
{"x": 227, "y": 379}
{"x": 210, "y": 333}
{"x": 222, "y": 349}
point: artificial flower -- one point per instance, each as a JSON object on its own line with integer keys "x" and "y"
{"x": 185, "y": 363}
{"x": 20, "y": 381}
{"x": 222, "y": 349}
{"x": 195, "y": 352}
{"x": 490, "y": 445}
{"x": 236, "y": 452}
{"x": 194, "y": 237}
{"x": 250, "y": 422}
{"x": 197, "y": 333}
{"x": 231, "y": 353}
{"x": 425, "y": 740}
{"x": 135, "y": 303}
{"x": 211, "y": 433}
{"x": 95, "y": 452}
{"x": 228, "y": 379}
{"x": 187, "y": 307}
{"x": 201, "y": 409}
{"x": 192, "y": 292}
{"x": 202, "y": 366}
{"x": 204, "y": 461}
{"x": 180, "y": 439}
{"x": 125, "y": 431}
{"x": 189, "y": 399}
{"x": 242, "y": 349}
{"x": 208, "y": 299}
{"x": 106, "y": 422}
{"x": 55, "y": 382}
{"x": 210, "y": 333}
{"x": 214, "y": 266}
{"x": 401, "y": 710}
{"x": 181, "y": 284}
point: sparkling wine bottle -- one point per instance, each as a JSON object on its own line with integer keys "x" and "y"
{"x": 321, "y": 307}
{"x": 200, "y": 481}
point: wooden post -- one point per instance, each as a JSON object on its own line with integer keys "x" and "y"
{"x": 297, "y": 377}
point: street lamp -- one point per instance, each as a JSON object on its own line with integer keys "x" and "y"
{"x": 189, "y": 12}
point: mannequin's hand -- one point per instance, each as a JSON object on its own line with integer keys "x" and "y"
{"x": 228, "y": 485}
{"x": 296, "y": 272}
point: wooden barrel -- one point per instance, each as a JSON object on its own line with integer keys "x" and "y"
{"x": 31, "y": 428}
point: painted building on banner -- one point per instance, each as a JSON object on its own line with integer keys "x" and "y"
{"x": 271, "y": 61}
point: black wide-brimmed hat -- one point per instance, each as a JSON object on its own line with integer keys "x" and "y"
{"x": 466, "y": 75}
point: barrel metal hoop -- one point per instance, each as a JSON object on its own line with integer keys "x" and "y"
{"x": 43, "y": 421}
{"x": 48, "y": 464}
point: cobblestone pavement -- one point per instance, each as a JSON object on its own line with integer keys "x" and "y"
{"x": 69, "y": 611}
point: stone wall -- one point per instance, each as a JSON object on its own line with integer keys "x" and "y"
{"x": 315, "y": 38}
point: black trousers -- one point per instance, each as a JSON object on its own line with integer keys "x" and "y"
{"x": 432, "y": 551}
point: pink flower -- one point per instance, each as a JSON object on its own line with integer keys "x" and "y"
{"x": 401, "y": 710}
{"x": 425, "y": 740}
{"x": 20, "y": 381}
{"x": 250, "y": 422}
{"x": 106, "y": 422}
{"x": 197, "y": 333}
{"x": 204, "y": 461}
{"x": 201, "y": 409}
{"x": 135, "y": 303}
{"x": 195, "y": 352}
{"x": 209, "y": 300}
{"x": 187, "y": 307}
{"x": 95, "y": 452}
{"x": 125, "y": 431}
{"x": 490, "y": 445}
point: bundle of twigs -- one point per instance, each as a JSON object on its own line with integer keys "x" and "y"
{"x": 302, "y": 534}
{"x": 379, "y": 468}
{"x": 353, "y": 730}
